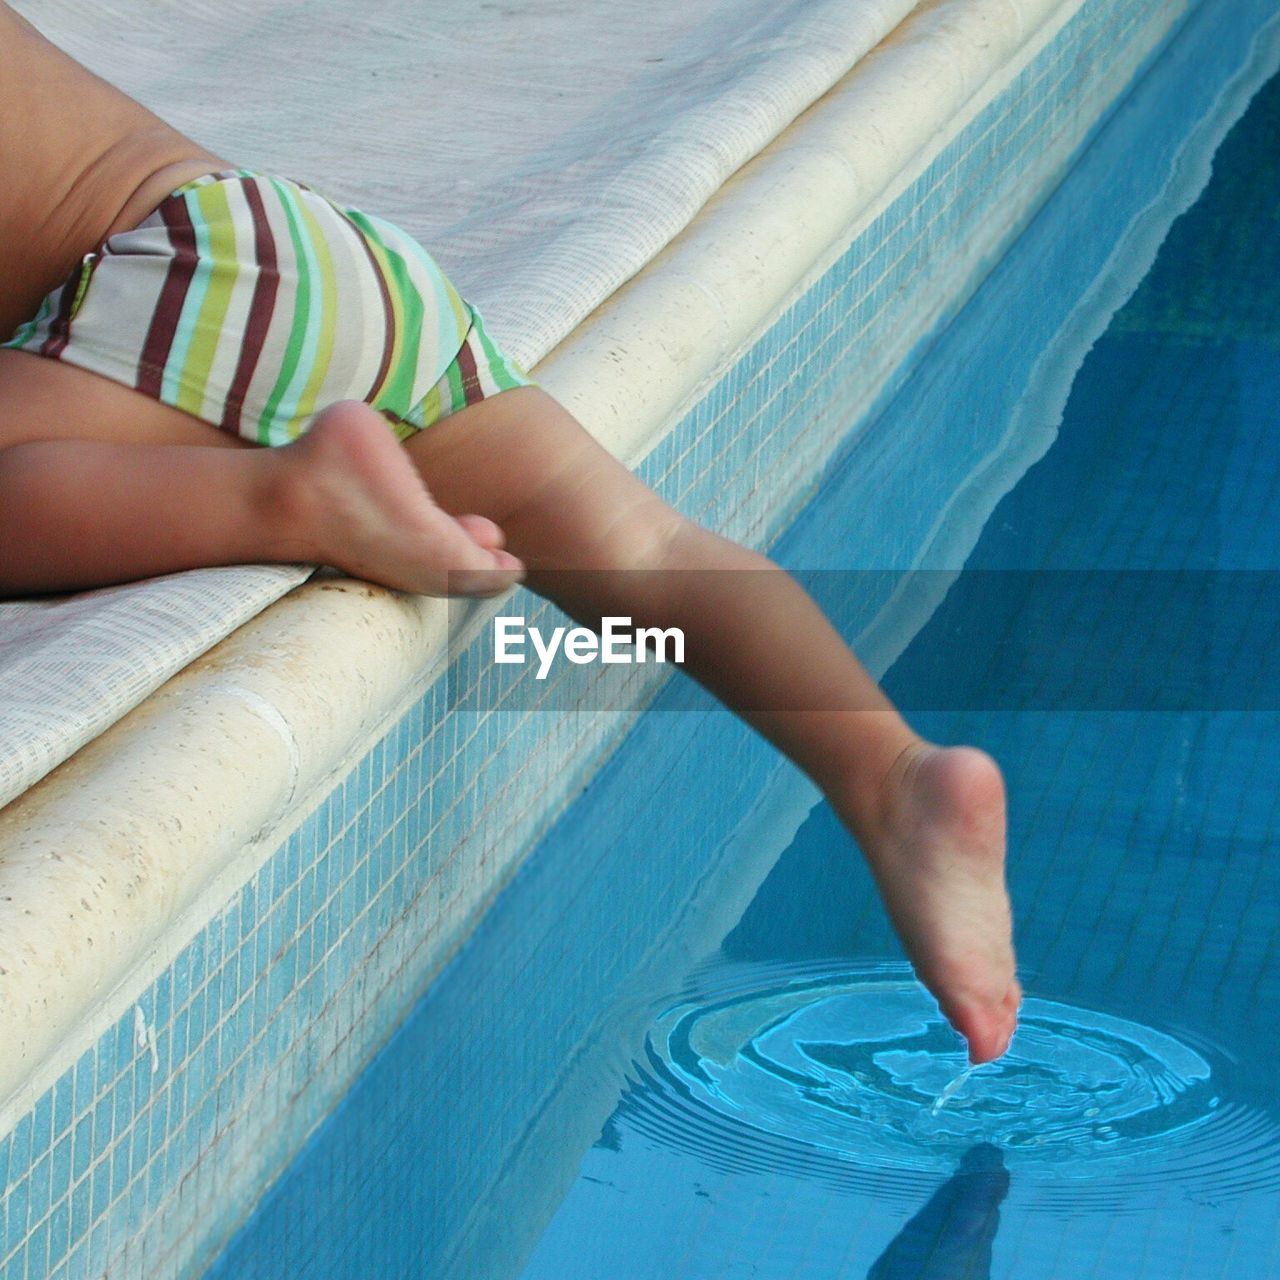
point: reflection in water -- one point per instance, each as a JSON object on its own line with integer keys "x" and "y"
{"x": 950, "y": 1238}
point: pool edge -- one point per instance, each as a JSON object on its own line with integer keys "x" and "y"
{"x": 312, "y": 724}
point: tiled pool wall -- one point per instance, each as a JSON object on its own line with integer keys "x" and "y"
{"x": 469, "y": 1128}
{"x": 143, "y": 1158}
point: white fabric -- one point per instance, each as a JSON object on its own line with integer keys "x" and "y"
{"x": 543, "y": 150}
{"x": 71, "y": 666}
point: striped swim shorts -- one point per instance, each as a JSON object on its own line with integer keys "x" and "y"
{"x": 253, "y": 303}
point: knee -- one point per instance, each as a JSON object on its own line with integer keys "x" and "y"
{"x": 594, "y": 517}
{"x": 649, "y": 536}
{"x": 613, "y": 564}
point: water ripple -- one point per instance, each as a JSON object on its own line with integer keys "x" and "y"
{"x": 833, "y": 1075}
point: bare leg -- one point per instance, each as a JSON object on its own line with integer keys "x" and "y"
{"x": 929, "y": 820}
{"x": 123, "y": 488}
{"x": 158, "y": 491}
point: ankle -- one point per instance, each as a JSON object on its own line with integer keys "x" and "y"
{"x": 287, "y": 504}
{"x": 867, "y": 778}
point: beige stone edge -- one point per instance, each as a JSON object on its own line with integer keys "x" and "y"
{"x": 112, "y": 863}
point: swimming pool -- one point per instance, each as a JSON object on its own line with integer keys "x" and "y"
{"x": 704, "y": 1057}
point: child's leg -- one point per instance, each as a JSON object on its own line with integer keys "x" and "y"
{"x": 930, "y": 821}
{"x": 100, "y": 485}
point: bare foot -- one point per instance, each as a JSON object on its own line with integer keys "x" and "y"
{"x": 938, "y": 858}
{"x": 356, "y": 487}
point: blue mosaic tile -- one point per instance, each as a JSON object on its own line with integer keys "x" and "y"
{"x": 37, "y": 1252}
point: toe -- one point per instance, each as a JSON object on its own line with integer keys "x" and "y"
{"x": 989, "y": 1031}
{"x": 987, "y": 1041}
{"x": 501, "y": 574}
{"x": 483, "y": 532}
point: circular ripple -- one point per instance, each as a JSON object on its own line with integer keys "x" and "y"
{"x": 811, "y": 1073}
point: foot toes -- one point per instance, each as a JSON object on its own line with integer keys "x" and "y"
{"x": 990, "y": 1033}
{"x": 504, "y": 573}
{"x": 989, "y": 1043}
{"x": 483, "y": 532}
{"x": 505, "y": 560}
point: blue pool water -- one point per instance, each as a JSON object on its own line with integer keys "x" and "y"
{"x": 685, "y": 1044}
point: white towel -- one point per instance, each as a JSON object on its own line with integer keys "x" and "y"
{"x": 543, "y": 150}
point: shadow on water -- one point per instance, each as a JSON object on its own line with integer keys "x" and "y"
{"x": 951, "y": 1237}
